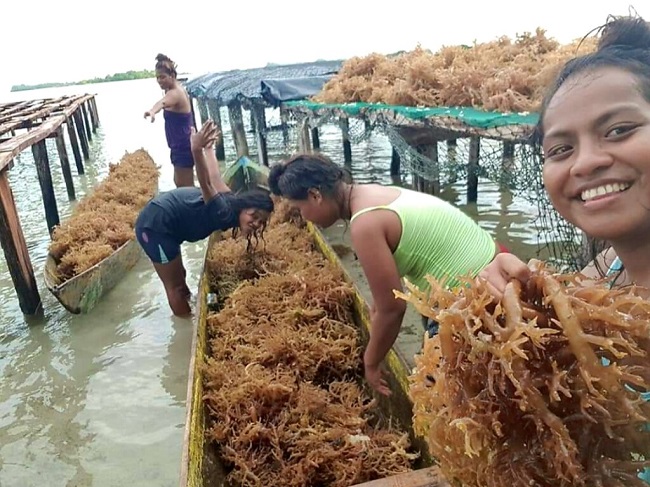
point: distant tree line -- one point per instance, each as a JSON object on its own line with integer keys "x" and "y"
{"x": 145, "y": 73}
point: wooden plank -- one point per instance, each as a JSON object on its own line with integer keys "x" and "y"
{"x": 74, "y": 143}
{"x": 10, "y": 149}
{"x": 426, "y": 477}
{"x": 65, "y": 163}
{"x": 15, "y": 251}
{"x": 45, "y": 180}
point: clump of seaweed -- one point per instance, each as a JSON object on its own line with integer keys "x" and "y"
{"x": 282, "y": 382}
{"x": 542, "y": 388}
{"x": 103, "y": 221}
{"x": 504, "y": 75}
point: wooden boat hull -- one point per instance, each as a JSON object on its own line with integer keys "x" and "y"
{"x": 200, "y": 466}
{"x": 81, "y": 293}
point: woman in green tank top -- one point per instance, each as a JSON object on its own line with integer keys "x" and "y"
{"x": 396, "y": 233}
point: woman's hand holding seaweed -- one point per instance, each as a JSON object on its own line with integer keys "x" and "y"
{"x": 504, "y": 268}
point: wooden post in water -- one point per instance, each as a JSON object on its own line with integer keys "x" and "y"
{"x": 94, "y": 103}
{"x": 75, "y": 145}
{"x": 193, "y": 111}
{"x": 508, "y": 163}
{"x": 285, "y": 127}
{"x": 258, "y": 115}
{"x": 395, "y": 163}
{"x": 39, "y": 150}
{"x": 304, "y": 144}
{"x": 65, "y": 163}
{"x": 93, "y": 116}
{"x": 214, "y": 111}
{"x": 81, "y": 133}
{"x": 431, "y": 184}
{"x": 315, "y": 138}
{"x": 203, "y": 110}
{"x": 452, "y": 150}
{"x": 15, "y": 250}
{"x": 84, "y": 113}
{"x": 473, "y": 169}
{"x": 344, "y": 123}
{"x": 237, "y": 128}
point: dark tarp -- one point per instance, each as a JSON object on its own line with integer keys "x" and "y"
{"x": 276, "y": 91}
{"x": 244, "y": 85}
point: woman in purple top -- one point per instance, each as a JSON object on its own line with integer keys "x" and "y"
{"x": 177, "y": 111}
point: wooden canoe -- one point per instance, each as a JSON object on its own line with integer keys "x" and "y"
{"x": 81, "y": 293}
{"x": 200, "y": 465}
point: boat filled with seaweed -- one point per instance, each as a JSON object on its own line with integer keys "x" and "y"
{"x": 276, "y": 393}
{"x": 92, "y": 250}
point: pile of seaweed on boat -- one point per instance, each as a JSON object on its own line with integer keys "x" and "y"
{"x": 282, "y": 382}
{"x": 504, "y": 75}
{"x": 103, "y": 221}
{"x": 544, "y": 388}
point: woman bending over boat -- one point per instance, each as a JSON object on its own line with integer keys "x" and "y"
{"x": 177, "y": 111}
{"x": 192, "y": 214}
{"x": 395, "y": 233}
{"x": 594, "y": 129}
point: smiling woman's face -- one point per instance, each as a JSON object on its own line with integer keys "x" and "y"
{"x": 597, "y": 154}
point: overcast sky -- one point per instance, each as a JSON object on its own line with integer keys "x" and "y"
{"x": 70, "y": 40}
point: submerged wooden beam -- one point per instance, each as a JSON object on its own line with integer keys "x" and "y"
{"x": 15, "y": 251}
{"x": 65, "y": 163}
{"x": 45, "y": 180}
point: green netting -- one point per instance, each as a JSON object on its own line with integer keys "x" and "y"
{"x": 469, "y": 116}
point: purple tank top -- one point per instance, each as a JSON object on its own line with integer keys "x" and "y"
{"x": 178, "y": 129}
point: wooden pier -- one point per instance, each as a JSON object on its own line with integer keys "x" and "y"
{"x": 27, "y": 124}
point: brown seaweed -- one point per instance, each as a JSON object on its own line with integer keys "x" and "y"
{"x": 519, "y": 393}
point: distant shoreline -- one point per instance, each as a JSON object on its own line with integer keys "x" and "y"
{"x": 127, "y": 75}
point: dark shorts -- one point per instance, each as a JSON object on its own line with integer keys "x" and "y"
{"x": 182, "y": 158}
{"x": 159, "y": 247}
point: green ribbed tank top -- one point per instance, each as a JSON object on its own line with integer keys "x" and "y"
{"x": 437, "y": 239}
